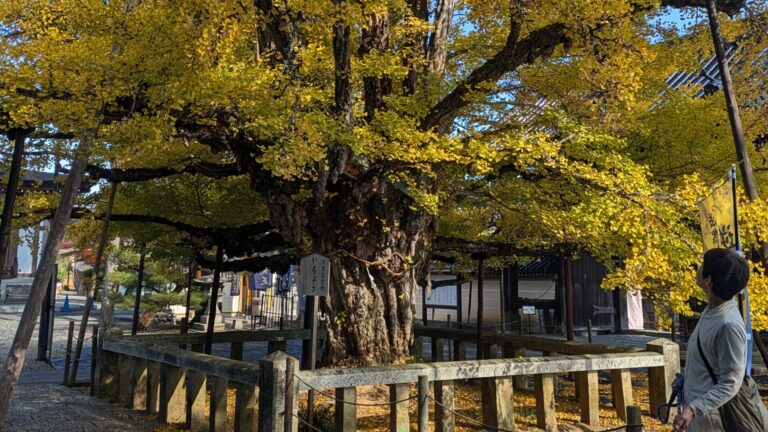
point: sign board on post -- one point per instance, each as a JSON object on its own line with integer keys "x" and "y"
{"x": 315, "y": 275}
{"x": 529, "y": 310}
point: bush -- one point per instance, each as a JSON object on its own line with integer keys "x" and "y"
{"x": 157, "y": 302}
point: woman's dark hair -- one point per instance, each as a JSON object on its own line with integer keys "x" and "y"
{"x": 728, "y": 270}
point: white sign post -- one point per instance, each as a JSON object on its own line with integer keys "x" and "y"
{"x": 315, "y": 272}
{"x": 315, "y": 275}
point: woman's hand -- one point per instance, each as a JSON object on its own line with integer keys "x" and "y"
{"x": 684, "y": 419}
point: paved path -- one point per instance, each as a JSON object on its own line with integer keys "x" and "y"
{"x": 53, "y": 407}
{"x": 41, "y": 403}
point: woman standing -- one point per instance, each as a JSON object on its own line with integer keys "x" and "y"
{"x": 717, "y": 349}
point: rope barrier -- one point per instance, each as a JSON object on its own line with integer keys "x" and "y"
{"x": 476, "y": 422}
{"x": 306, "y": 423}
{"x": 622, "y": 427}
{"x": 375, "y": 404}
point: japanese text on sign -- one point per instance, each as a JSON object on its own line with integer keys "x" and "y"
{"x": 315, "y": 275}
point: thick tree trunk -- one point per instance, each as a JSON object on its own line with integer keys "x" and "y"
{"x": 378, "y": 240}
{"x": 15, "y": 360}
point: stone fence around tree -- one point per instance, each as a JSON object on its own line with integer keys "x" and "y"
{"x": 152, "y": 373}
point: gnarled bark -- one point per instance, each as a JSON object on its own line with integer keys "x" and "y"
{"x": 378, "y": 241}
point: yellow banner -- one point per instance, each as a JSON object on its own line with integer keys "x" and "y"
{"x": 716, "y": 214}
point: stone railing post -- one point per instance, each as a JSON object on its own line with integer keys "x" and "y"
{"x": 153, "y": 388}
{"x": 546, "y": 417}
{"x": 139, "y": 383}
{"x": 196, "y": 390}
{"x": 590, "y": 397}
{"x": 217, "y": 416}
{"x": 108, "y": 376}
{"x": 124, "y": 396}
{"x": 660, "y": 378}
{"x": 272, "y": 391}
{"x": 346, "y": 412}
{"x": 398, "y": 414}
{"x": 621, "y": 383}
{"x": 245, "y": 407}
{"x": 172, "y": 395}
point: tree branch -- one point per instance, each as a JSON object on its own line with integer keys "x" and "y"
{"x": 539, "y": 44}
{"x": 143, "y": 174}
{"x": 276, "y": 263}
{"x": 453, "y": 244}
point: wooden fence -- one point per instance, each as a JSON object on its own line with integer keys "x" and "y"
{"x": 152, "y": 373}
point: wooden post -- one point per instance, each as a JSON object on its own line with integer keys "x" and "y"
{"x": 236, "y": 351}
{"x": 634, "y": 419}
{"x": 137, "y": 301}
{"x": 398, "y": 414}
{"x": 590, "y": 397}
{"x": 438, "y": 349}
{"x": 459, "y": 350}
{"x": 621, "y": 382}
{"x": 153, "y": 388}
{"x": 418, "y": 346}
{"x": 480, "y": 306}
{"x": 19, "y": 137}
{"x": 660, "y": 378}
{"x": 93, "y": 289}
{"x": 345, "y": 418}
{"x": 124, "y": 396}
{"x": 445, "y": 420}
{"x": 138, "y": 383}
{"x": 94, "y": 358}
{"x": 545, "y": 402}
{"x": 195, "y": 412}
{"x": 568, "y": 276}
{"x": 276, "y": 345}
{"x": 245, "y": 408}
{"x": 742, "y": 155}
{"x": 217, "y": 415}
{"x": 172, "y": 395}
{"x": 28, "y": 320}
{"x": 190, "y": 275}
{"x": 214, "y": 300}
{"x": 423, "y": 407}
{"x": 67, "y": 353}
